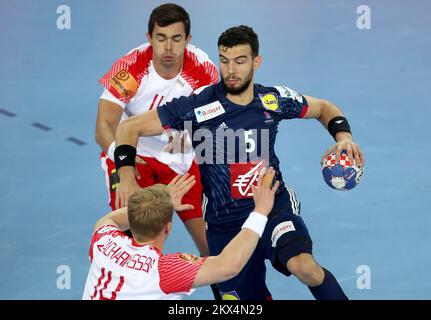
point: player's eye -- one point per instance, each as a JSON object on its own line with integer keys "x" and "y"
{"x": 177, "y": 39}
{"x": 161, "y": 39}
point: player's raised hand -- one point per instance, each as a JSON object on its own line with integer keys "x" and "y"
{"x": 126, "y": 187}
{"x": 178, "y": 187}
{"x": 264, "y": 193}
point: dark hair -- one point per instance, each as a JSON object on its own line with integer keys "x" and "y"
{"x": 167, "y": 14}
{"x": 240, "y": 35}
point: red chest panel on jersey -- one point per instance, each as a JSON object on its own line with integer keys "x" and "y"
{"x": 243, "y": 176}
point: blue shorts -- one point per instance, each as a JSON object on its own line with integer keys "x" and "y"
{"x": 284, "y": 237}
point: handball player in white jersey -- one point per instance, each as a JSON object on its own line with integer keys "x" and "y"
{"x": 156, "y": 72}
{"x": 136, "y": 268}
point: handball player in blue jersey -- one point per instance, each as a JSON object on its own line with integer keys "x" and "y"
{"x": 233, "y": 126}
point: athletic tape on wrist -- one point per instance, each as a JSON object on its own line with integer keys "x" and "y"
{"x": 255, "y": 222}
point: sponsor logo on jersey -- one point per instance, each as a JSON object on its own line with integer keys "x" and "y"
{"x": 125, "y": 84}
{"x": 189, "y": 257}
{"x": 270, "y": 102}
{"x": 286, "y": 92}
{"x": 231, "y": 295}
{"x": 281, "y": 229}
{"x": 243, "y": 176}
{"x": 223, "y": 125}
{"x": 209, "y": 111}
{"x": 268, "y": 118}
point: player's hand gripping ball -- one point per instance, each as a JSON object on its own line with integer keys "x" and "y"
{"x": 342, "y": 175}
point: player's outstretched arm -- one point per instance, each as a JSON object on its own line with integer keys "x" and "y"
{"x": 108, "y": 117}
{"x": 116, "y": 218}
{"x": 235, "y": 255}
{"x": 331, "y": 116}
{"x": 128, "y": 132}
{"x": 145, "y": 124}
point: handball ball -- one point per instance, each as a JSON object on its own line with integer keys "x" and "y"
{"x": 342, "y": 175}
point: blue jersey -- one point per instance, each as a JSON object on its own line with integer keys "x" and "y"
{"x": 232, "y": 143}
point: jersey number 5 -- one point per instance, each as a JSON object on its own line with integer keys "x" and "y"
{"x": 250, "y": 144}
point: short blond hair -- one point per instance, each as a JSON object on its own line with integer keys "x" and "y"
{"x": 149, "y": 210}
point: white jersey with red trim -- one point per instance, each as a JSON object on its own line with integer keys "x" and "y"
{"x": 134, "y": 84}
{"x": 124, "y": 270}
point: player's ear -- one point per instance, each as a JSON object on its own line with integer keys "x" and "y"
{"x": 168, "y": 228}
{"x": 149, "y": 37}
{"x": 257, "y": 62}
{"x": 188, "y": 38}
